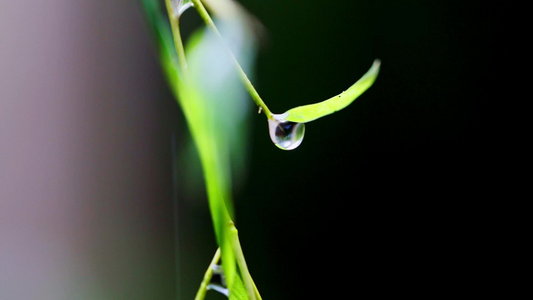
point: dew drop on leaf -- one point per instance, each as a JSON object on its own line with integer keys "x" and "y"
{"x": 286, "y": 135}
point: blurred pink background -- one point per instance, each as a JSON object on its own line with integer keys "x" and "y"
{"x": 85, "y": 182}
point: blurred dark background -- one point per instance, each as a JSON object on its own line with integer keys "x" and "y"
{"x": 384, "y": 197}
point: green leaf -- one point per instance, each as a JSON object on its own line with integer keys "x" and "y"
{"x": 238, "y": 292}
{"x": 310, "y": 112}
{"x": 215, "y": 106}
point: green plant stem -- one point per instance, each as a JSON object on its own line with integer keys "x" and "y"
{"x": 174, "y": 25}
{"x": 245, "y": 80}
{"x": 251, "y": 289}
{"x": 200, "y": 295}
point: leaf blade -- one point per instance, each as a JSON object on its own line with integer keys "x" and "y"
{"x": 311, "y": 112}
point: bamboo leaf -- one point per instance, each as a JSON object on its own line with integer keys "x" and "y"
{"x": 214, "y": 103}
{"x": 310, "y": 112}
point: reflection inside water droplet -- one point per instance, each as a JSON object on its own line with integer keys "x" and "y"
{"x": 285, "y": 134}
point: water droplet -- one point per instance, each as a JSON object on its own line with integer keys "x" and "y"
{"x": 285, "y": 134}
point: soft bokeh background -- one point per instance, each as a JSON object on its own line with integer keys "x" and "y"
{"x": 380, "y": 197}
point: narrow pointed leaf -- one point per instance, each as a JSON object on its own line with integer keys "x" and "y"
{"x": 213, "y": 87}
{"x": 310, "y": 112}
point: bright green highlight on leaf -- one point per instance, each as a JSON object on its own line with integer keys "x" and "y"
{"x": 307, "y": 113}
